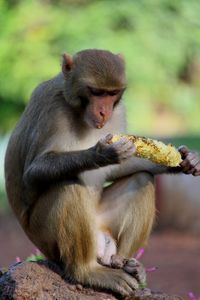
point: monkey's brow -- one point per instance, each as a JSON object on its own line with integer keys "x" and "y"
{"x": 107, "y": 89}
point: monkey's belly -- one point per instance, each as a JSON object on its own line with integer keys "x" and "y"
{"x": 94, "y": 178}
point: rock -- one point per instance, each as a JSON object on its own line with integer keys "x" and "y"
{"x": 44, "y": 281}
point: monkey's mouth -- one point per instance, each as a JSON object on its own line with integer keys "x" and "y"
{"x": 99, "y": 125}
{"x": 96, "y": 122}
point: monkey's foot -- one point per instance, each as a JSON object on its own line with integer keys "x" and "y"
{"x": 131, "y": 266}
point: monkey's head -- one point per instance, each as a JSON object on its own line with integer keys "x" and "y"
{"x": 94, "y": 83}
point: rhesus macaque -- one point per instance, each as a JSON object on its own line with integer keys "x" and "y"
{"x": 58, "y": 160}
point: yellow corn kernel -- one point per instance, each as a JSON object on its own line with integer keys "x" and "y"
{"x": 153, "y": 150}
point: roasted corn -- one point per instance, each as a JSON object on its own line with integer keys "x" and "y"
{"x": 153, "y": 150}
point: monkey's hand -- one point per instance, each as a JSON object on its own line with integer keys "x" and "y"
{"x": 191, "y": 161}
{"x": 136, "y": 269}
{"x": 113, "y": 153}
{"x": 131, "y": 266}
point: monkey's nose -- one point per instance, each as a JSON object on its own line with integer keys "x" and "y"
{"x": 102, "y": 114}
{"x": 100, "y": 119}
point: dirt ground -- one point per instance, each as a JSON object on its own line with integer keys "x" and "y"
{"x": 176, "y": 255}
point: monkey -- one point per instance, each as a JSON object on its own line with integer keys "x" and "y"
{"x": 58, "y": 161}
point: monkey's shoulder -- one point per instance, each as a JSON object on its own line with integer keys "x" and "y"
{"x": 46, "y": 106}
{"x": 48, "y": 90}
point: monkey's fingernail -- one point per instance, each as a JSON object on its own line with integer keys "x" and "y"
{"x": 132, "y": 263}
{"x": 129, "y": 269}
{"x": 109, "y": 136}
{"x": 133, "y": 149}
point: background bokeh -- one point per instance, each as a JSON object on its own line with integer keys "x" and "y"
{"x": 160, "y": 40}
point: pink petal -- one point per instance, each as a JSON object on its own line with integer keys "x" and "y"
{"x": 139, "y": 253}
{"x": 192, "y": 296}
{"x": 37, "y": 252}
{"x": 18, "y": 259}
{"x": 152, "y": 269}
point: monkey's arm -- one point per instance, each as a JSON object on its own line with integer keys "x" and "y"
{"x": 134, "y": 165}
{"x": 189, "y": 165}
{"x": 156, "y": 158}
{"x": 55, "y": 166}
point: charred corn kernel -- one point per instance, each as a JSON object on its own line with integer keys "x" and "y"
{"x": 153, "y": 150}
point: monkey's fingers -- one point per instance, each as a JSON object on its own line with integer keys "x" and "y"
{"x": 124, "y": 148}
{"x": 153, "y": 150}
{"x": 107, "y": 139}
{"x": 183, "y": 151}
{"x": 191, "y": 164}
{"x": 136, "y": 269}
{"x": 131, "y": 266}
{"x": 119, "y": 281}
{"x": 117, "y": 261}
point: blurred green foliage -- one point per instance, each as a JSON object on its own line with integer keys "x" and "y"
{"x": 160, "y": 40}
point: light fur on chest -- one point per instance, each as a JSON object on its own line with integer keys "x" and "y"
{"x": 65, "y": 139}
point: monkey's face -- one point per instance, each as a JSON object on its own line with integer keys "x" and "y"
{"x": 95, "y": 82}
{"x": 100, "y": 105}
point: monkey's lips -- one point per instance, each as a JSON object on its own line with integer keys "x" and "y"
{"x": 99, "y": 125}
{"x": 96, "y": 122}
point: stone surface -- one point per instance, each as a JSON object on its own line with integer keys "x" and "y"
{"x": 44, "y": 281}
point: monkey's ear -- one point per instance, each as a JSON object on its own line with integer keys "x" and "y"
{"x": 121, "y": 56}
{"x": 67, "y": 63}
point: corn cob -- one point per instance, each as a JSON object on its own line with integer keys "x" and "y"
{"x": 153, "y": 150}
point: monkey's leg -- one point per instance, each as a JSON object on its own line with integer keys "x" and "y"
{"x": 67, "y": 220}
{"x": 127, "y": 208}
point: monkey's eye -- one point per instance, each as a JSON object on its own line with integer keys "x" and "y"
{"x": 113, "y": 92}
{"x": 96, "y": 92}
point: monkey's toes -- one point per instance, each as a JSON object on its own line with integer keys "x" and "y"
{"x": 124, "y": 283}
{"x": 136, "y": 269}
